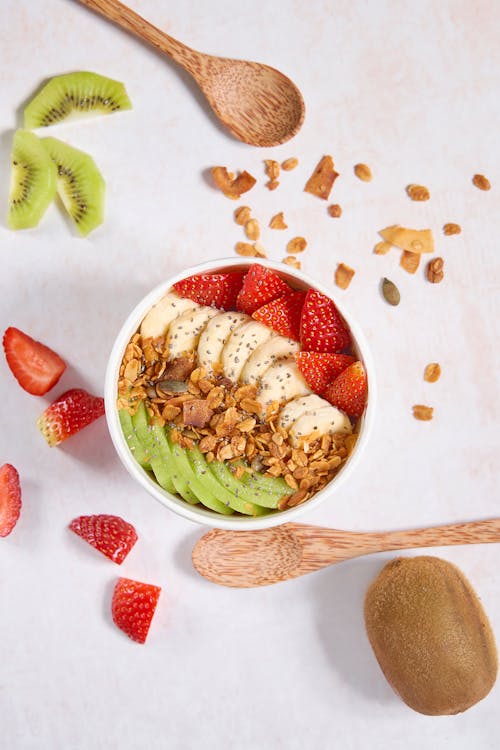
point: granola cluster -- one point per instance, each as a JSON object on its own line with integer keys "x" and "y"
{"x": 226, "y": 420}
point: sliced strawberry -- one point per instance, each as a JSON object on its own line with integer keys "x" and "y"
{"x": 320, "y": 368}
{"x": 321, "y": 328}
{"x": 70, "y": 413}
{"x": 133, "y": 607}
{"x": 10, "y": 498}
{"x": 260, "y": 286}
{"x": 216, "y": 289}
{"x": 111, "y": 535}
{"x": 283, "y": 314}
{"x": 349, "y": 390}
{"x": 35, "y": 367}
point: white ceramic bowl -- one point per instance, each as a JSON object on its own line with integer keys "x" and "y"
{"x": 198, "y": 513}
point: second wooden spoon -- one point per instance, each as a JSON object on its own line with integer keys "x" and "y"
{"x": 257, "y": 103}
{"x": 257, "y": 558}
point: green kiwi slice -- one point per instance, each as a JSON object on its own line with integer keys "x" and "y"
{"x": 78, "y": 93}
{"x": 33, "y": 181}
{"x": 80, "y": 185}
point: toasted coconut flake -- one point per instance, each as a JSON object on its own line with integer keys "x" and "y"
{"x": 232, "y": 187}
{"x": 321, "y": 181}
{"x": 382, "y": 248}
{"x": 412, "y": 240}
{"x": 344, "y": 275}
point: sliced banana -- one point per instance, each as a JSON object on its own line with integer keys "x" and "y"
{"x": 295, "y": 408}
{"x": 158, "y": 319}
{"x": 215, "y": 335}
{"x": 243, "y": 341}
{"x": 184, "y": 331}
{"x": 276, "y": 347}
{"x": 281, "y": 382}
{"x": 326, "y": 420}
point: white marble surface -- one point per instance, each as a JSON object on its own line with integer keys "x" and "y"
{"x": 412, "y": 89}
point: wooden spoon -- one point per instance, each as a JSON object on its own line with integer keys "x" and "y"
{"x": 258, "y": 558}
{"x": 257, "y": 103}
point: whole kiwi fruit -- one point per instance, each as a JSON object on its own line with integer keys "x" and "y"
{"x": 431, "y": 636}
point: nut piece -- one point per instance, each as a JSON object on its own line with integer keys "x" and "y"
{"x": 335, "y": 211}
{"x": 481, "y": 182}
{"x": 452, "y": 229}
{"x": 278, "y": 222}
{"x": 381, "y": 248}
{"x": 272, "y": 184}
{"x": 291, "y": 260}
{"x": 272, "y": 169}
{"x": 363, "y": 172}
{"x": 432, "y": 372}
{"x": 343, "y": 275}
{"x": 409, "y": 261}
{"x": 390, "y": 292}
{"x": 289, "y": 164}
{"x": 252, "y": 229}
{"x": 321, "y": 181}
{"x": 232, "y": 187}
{"x": 296, "y": 245}
{"x": 242, "y": 215}
{"x": 423, "y": 413}
{"x": 250, "y": 251}
{"x": 418, "y": 192}
{"x": 434, "y": 270}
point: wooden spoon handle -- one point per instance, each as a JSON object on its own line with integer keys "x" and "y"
{"x": 131, "y": 21}
{"x": 325, "y": 546}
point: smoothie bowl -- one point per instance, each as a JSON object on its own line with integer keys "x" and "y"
{"x": 240, "y": 395}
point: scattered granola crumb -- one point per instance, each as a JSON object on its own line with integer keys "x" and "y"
{"x": 390, "y": 292}
{"x": 321, "y": 181}
{"x": 423, "y": 413}
{"x": 242, "y": 215}
{"x": 252, "y": 229}
{"x": 418, "y": 192}
{"x": 296, "y": 245}
{"x": 251, "y": 251}
{"x": 481, "y": 182}
{"x": 381, "y": 248}
{"x": 409, "y": 261}
{"x": 432, "y": 372}
{"x": 278, "y": 222}
{"x": 343, "y": 275}
{"x": 232, "y": 187}
{"x": 363, "y": 172}
{"x": 434, "y": 270}
{"x": 335, "y": 211}
{"x": 291, "y": 260}
{"x": 289, "y": 164}
{"x": 272, "y": 169}
{"x": 272, "y": 184}
{"x": 452, "y": 229}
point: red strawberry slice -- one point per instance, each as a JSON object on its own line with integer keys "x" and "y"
{"x": 111, "y": 535}
{"x": 283, "y": 314}
{"x": 35, "y": 367}
{"x": 69, "y": 414}
{"x": 10, "y": 498}
{"x": 349, "y": 390}
{"x": 319, "y": 368}
{"x": 216, "y": 289}
{"x": 260, "y": 286}
{"x": 133, "y": 607}
{"x": 321, "y": 328}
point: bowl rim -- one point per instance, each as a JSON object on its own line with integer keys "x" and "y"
{"x": 197, "y": 513}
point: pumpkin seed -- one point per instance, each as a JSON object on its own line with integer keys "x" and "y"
{"x": 390, "y": 292}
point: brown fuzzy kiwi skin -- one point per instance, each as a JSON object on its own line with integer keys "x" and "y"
{"x": 430, "y": 635}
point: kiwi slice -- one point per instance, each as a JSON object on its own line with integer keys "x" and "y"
{"x": 75, "y": 93}
{"x": 33, "y": 181}
{"x": 80, "y": 185}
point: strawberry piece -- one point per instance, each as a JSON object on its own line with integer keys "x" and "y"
{"x": 349, "y": 390}
{"x": 70, "y": 413}
{"x": 35, "y": 367}
{"x": 321, "y": 327}
{"x": 283, "y": 314}
{"x": 111, "y": 535}
{"x": 319, "y": 368}
{"x": 133, "y": 607}
{"x": 10, "y": 498}
{"x": 216, "y": 289}
{"x": 260, "y": 286}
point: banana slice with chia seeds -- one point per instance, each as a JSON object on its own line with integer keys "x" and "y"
{"x": 215, "y": 335}
{"x": 281, "y": 382}
{"x": 184, "y": 331}
{"x": 295, "y": 408}
{"x": 326, "y": 420}
{"x": 158, "y": 319}
{"x": 276, "y": 347}
{"x": 243, "y": 341}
